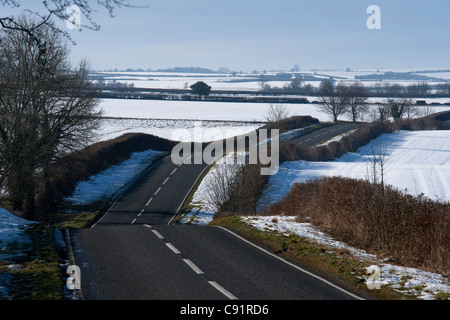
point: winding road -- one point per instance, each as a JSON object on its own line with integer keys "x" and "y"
{"x": 134, "y": 253}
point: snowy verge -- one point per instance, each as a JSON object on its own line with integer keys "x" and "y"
{"x": 11, "y": 233}
{"x": 11, "y": 229}
{"x": 422, "y": 284}
{"x": 112, "y": 181}
{"x": 202, "y": 205}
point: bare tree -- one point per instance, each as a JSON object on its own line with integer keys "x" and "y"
{"x": 356, "y": 99}
{"x": 378, "y": 164}
{"x": 263, "y": 83}
{"x": 47, "y": 108}
{"x": 276, "y": 113}
{"x": 46, "y": 12}
{"x": 333, "y": 99}
{"x": 383, "y": 111}
{"x": 220, "y": 182}
{"x": 401, "y": 107}
{"x": 421, "y": 88}
{"x": 57, "y": 9}
{"x": 296, "y": 84}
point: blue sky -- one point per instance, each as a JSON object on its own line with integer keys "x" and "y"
{"x": 266, "y": 35}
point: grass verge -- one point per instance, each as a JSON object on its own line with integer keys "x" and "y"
{"x": 334, "y": 265}
{"x": 36, "y": 272}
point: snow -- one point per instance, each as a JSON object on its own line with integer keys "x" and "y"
{"x": 203, "y": 207}
{"x": 417, "y": 161}
{"x": 113, "y": 180}
{"x": 176, "y": 130}
{"x": 200, "y": 110}
{"x": 422, "y": 284}
{"x": 287, "y": 225}
{"x": 11, "y": 228}
{"x": 11, "y": 232}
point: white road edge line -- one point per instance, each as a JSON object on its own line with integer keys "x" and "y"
{"x": 190, "y": 190}
{"x": 293, "y": 265}
{"x": 171, "y": 247}
{"x": 78, "y": 292}
{"x": 222, "y": 290}
{"x": 193, "y": 266}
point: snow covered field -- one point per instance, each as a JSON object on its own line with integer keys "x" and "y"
{"x": 199, "y": 110}
{"x": 162, "y": 117}
{"x": 176, "y": 130}
{"x": 417, "y": 161}
{"x": 181, "y": 120}
{"x": 248, "y": 81}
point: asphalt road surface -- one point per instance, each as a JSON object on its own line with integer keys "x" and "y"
{"x": 320, "y": 135}
{"x": 133, "y": 253}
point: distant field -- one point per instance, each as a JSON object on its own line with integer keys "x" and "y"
{"x": 417, "y": 161}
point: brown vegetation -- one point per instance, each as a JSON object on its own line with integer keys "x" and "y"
{"x": 361, "y": 136}
{"x": 412, "y": 231}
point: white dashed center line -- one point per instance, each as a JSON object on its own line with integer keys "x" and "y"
{"x": 171, "y": 247}
{"x": 193, "y": 266}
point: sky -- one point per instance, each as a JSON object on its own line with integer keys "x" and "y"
{"x": 247, "y": 35}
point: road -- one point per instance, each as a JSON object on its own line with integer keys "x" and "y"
{"x": 320, "y": 135}
{"x": 134, "y": 253}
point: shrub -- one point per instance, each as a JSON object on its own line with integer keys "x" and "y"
{"x": 413, "y": 231}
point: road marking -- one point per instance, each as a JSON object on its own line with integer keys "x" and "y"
{"x": 147, "y": 226}
{"x": 159, "y": 189}
{"x": 190, "y": 190}
{"x": 132, "y": 222}
{"x": 291, "y": 264}
{"x": 193, "y": 266}
{"x": 225, "y": 292}
{"x": 165, "y": 181}
{"x": 121, "y": 195}
{"x": 140, "y": 213}
{"x": 174, "y": 170}
{"x": 159, "y": 235}
{"x": 171, "y": 247}
{"x": 148, "y": 202}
